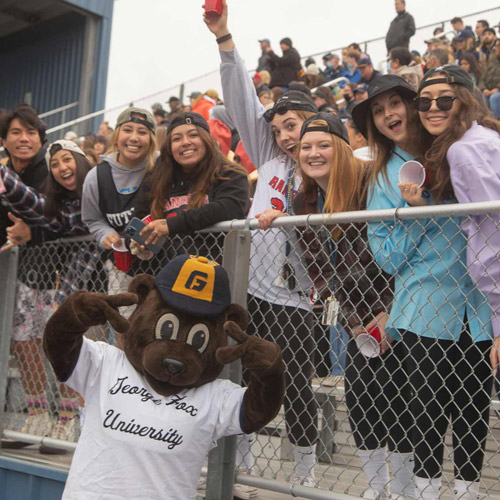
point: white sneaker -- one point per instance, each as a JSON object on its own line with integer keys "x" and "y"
{"x": 202, "y": 483}
{"x": 66, "y": 430}
{"x": 39, "y": 424}
{"x": 244, "y": 492}
{"x": 306, "y": 481}
{"x": 372, "y": 494}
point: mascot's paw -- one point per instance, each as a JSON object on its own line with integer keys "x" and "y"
{"x": 255, "y": 353}
{"x": 96, "y": 308}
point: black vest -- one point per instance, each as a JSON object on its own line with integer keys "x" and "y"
{"x": 118, "y": 208}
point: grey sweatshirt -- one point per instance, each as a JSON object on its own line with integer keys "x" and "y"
{"x": 126, "y": 180}
{"x": 245, "y": 109}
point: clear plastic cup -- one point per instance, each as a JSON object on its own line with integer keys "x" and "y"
{"x": 412, "y": 171}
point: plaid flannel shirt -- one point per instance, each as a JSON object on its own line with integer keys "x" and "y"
{"x": 26, "y": 203}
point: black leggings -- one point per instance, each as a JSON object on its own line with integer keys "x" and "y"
{"x": 291, "y": 329}
{"x": 378, "y": 398}
{"x": 450, "y": 380}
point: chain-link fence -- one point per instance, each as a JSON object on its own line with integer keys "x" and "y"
{"x": 385, "y": 337}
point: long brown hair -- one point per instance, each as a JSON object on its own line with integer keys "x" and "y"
{"x": 434, "y": 149}
{"x": 345, "y": 185}
{"x": 383, "y": 148}
{"x": 209, "y": 169}
{"x": 55, "y": 194}
{"x": 150, "y": 155}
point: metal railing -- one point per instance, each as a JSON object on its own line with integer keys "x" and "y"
{"x": 211, "y": 80}
{"x": 327, "y": 417}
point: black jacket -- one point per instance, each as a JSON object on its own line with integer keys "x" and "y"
{"x": 33, "y": 175}
{"x": 284, "y": 69}
{"x": 263, "y": 63}
{"x": 402, "y": 28}
{"x": 228, "y": 199}
{"x": 375, "y": 74}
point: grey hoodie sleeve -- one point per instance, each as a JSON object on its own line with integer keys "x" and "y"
{"x": 245, "y": 109}
{"x": 91, "y": 213}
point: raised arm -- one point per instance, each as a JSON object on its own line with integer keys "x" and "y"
{"x": 240, "y": 97}
{"x": 26, "y": 202}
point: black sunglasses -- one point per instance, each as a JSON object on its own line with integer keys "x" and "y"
{"x": 444, "y": 103}
{"x": 282, "y": 107}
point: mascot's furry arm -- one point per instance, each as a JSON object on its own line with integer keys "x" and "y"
{"x": 64, "y": 331}
{"x": 263, "y": 398}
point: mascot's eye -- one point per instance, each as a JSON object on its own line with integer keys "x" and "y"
{"x": 198, "y": 337}
{"x": 167, "y": 327}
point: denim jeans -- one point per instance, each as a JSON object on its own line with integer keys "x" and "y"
{"x": 493, "y": 102}
{"x": 338, "y": 340}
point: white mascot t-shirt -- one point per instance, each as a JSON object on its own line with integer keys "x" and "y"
{"x": 136, "y": 444}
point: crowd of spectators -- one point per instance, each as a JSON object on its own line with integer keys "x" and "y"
{"x": 185, "y": 166}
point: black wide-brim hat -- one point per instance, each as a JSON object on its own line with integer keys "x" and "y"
{"x": 378, "y": 86}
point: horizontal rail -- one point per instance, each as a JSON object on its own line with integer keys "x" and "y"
{"x": 295, "y": 490}
{"x": 58, "y": 110}
{"x": 448, "y": 209}
{"x": 40, "y": 440}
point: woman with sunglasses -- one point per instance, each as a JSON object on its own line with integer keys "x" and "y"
{"x": 341, "y": 266}
{"x": 436, "y": 311}
{"x": 278, "y": 301}
{"x": 462, "y": 154}
{"x": 55, "y": 212}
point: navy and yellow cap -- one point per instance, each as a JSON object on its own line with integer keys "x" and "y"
{"x": 194, "y": 285}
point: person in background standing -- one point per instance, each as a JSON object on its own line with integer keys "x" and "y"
{"x": 284, "y": 69}
{"x": 264, "y": 63}
{"x": 402, "y": 28}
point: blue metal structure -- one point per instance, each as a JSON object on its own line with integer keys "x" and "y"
{"x": 21, "y": 480}
{"x": 53, "y": 53}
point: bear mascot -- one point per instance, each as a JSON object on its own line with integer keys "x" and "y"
{"x": 154, "y": 410}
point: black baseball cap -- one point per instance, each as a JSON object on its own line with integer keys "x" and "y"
{"x": 189, "y": 118}
{"x": 293, "y": 100}
{"x": 378, "y": 86}
{"x": 194, "y": 285}
{"x": 334, "y": 125}
{"x": 455, "y": 75}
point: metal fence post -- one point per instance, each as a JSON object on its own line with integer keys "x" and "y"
{"x": 221, "y": 460}
{"x": 8, "y": 269}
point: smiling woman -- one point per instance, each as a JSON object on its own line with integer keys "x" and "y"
{"x": 193, "y": 185}
{"x": 438, "y": 316}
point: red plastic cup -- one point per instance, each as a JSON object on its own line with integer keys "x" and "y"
{"x": 147, "y": 219}
{"x": 369, "y": 343}
{"x": 213, "y": 7}
{"x": 123, "y": 258}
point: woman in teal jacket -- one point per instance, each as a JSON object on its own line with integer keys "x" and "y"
{"x": 443, "y": 319}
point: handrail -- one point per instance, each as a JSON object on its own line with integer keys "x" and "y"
{"x": 380, "y": 38}
{"x": 58, "y": 110}
{"x": 121, "y": 106}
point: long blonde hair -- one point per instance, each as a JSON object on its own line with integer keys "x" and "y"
{"x": 150, "y": 155}
{"x": 345, "y": 185}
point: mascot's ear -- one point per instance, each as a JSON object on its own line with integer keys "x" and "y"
{"x": 237, "y": 314}
{"x": 141, "y": 285}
